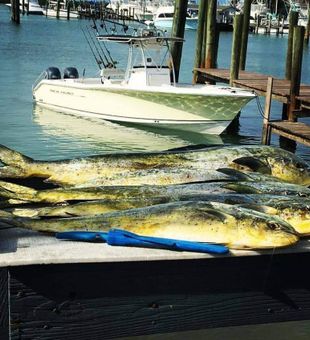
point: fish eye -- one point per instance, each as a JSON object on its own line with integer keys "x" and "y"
{"x": 273, "y": 226}
{"x": 299, "y": 165}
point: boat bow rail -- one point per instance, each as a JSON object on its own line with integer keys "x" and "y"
{"x": 38, "y": 80}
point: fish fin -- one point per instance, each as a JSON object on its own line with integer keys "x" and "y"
{"x": 241, "y": 188}
{"x": 193, "y": 147}
{"x": 214, "y": 213}
{"x": 12, "y": 157}
{"x": 254, "y": 164}
{"x": 17, "y": 189}
{"x": 234, "y": 173}
{"x": 261, "y": 208}
{"x": 32, "y": 213}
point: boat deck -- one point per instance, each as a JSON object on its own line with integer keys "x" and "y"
{"x": 58, "y": 289}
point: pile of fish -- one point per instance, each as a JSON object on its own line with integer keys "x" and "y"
{"x": 246, "y": 197}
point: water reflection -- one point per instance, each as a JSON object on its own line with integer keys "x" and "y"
{"x": 99, "y": 135}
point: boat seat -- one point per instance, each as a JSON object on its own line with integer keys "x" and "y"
{"x": 114, "y": 73}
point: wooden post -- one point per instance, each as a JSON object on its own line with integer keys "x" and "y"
{"x": 298, "y": 37}
{"x": 269, "y": 25}
{"x": 245, "y": 32}
{"x": 210, "y": 61}
{"x": 57, "y": 9}
{"x": 307, "y": 32}
{"x": 15, "y": 15}
{"x": 23, "y": 7}
{"x": 178, "y": 27}
{"x": 202, "y": 15}
{"x": 204, "y": 40}
{"x": 266, "y": 133}
{"x": 235, "y": 52}
{"x": 69, "y": 4}
{"x": 258, "y": 19}
{"x": 282, "y": 26}
{"x": 293, "y": 20}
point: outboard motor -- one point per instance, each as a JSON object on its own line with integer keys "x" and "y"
{"x": 52, "y": 73}
{"x": 71, "y": 73}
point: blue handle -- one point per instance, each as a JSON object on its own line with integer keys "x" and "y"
{"x": 124, "y": 238}
{"x": 118, "y": 237}
{"x": 88, "y": 236}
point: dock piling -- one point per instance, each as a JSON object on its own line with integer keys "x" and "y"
{"x": 69, "y": 4}
{"x": 297, "y": 50}
{"x": 245, "y": 32}
{"x": 202, "y": 16}
{"x": 15, "y": 15}
{"x": 236, "y": 44}
{"x": 266, "y": 130}
{"x": 293, "y": 21}
{"x": 211, "y": 36}
{"x": 178, "y": 28}
{"x": 307, "y": 32}
{"x": 57, "y": 9}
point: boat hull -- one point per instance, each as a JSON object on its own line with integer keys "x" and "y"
{"x": 191, "y": 112}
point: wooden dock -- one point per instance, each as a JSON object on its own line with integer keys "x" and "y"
{"x": 53, "y": 289}
{"x": 299, "y": 132}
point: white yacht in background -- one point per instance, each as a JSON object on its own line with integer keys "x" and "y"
{"x": 31, "y": 7}
{"x": 163, "y": 18}
{"x": 143, "y": 93}
{"x": 51, "y": 11}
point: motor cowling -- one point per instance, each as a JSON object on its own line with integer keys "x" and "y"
{"x": 52, "y": 73}
{"x": 71, "y": 73}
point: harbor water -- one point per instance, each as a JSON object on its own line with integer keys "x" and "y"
{"x": 39, "y": 42}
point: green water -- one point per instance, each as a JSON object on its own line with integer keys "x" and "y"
{"x": 28, "y": 49}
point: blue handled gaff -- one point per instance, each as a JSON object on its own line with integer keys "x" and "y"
{"x": 118, "y": 237}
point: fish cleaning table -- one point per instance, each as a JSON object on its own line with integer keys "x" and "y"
{"x": 54, "y": 289}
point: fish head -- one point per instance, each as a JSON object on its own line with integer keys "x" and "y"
{"x": 290, "y": 169}
{"x": 257, "y": 230}
{"x": 270, "y": 232}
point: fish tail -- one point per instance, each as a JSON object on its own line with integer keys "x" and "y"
{"x": 12, "y": 157}
{"x": 15, "y": 191}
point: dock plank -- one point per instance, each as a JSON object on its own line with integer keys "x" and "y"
{"x": 113, "y": 300}
{"x": 258, "y": 82}
{"x": 297, "y": 131}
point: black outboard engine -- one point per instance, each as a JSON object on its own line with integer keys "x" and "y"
{"x": 52, "y": 73}
{"x": 71, "y": 73}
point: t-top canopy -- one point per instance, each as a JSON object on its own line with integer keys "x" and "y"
{"x": 132, "y": 39}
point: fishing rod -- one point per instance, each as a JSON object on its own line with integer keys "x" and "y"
{"x": 107, "y": 55}
{"x": 104, "y": 62}
{"x": 92, "y": 50}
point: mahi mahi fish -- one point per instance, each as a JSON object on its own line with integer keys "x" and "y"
{"x": 159, "y": 168}
{"x": 236, "y": 227}
{"x": 20, "y": 193}
{"x": 294, "y": 210}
